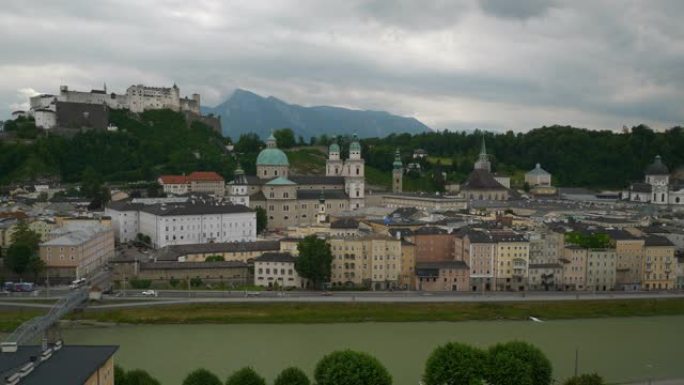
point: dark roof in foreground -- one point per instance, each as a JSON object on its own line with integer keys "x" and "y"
{"x": 657, "y": 240}
{"x": 326, "y": 194}
{"x": 72, "y": 364}
{"x": 275, "y": 257}
{"x": 431, "y": 269}
{"x": 172, "y": 265}
{"x": 175, "y": 251}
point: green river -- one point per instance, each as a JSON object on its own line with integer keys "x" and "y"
{"x": 620, "y": 349}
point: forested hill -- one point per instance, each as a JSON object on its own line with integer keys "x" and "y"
{"x": 158, "y": 142}
{"x": 145, "y": 146}
{"x": 575, "y": 157}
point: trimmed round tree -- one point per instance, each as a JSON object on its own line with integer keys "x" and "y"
{"x": 585, "y": 379}
{"x": 539, "y": 365}
{"x": 140, "y": 377}
{"x": 245, "y": 376}
{"x": 347, "y": 367}
{"x": 292, "y": 376}
{"x": 119, "y": 375}
{"x": 503, "y": 368}
{"x": 201, "y": 377}
{"x": 455, "y": 363}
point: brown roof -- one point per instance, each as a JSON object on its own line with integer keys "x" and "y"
{"x": 482, "y": 180}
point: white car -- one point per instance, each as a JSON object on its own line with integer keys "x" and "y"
{"x": 149, "y": 293}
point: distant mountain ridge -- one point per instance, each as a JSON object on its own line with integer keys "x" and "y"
{"x": 246, "y": 112}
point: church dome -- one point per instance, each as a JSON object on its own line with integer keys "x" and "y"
{"x": 272, "y": 157}
{"x": 334, "y": 148}
{"x": 657, "y": 167}
{"x": 355, "y": 146}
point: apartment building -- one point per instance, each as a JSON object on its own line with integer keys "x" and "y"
{"x": 433, "y": 244}
{"x": 574, "y": 267}
{"x": 372, "y": 261}
{"x": 478, "y": 250}
{"x": 207, "y": 182}
{"x": 512, "y": 260}
{"x": 442, "y": 276}
{"x": 77, "y": 251}
{"x": 629, "y": 250}
{"x": 601, "y": 269}
{"x": 276, "y": 270}
{"x": 408, "y": 265}
{"x": 659, "y": 265}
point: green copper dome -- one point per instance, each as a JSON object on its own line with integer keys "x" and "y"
{"x": 272, "y": 157}
{"x": 355, "y": 145}
{"x": 334, "y": 148}
{"x": 397, "y": 160}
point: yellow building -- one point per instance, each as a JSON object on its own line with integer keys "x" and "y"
{"x": 574, "y": 267}
{"x": 659, "y": 271}
{"x": 511, "y": 260}
{"x": 42, "y": 228}
{"x": 230, "y": 251}
{"x": 629, "y": 250}
{"x": 601, "y": 269}
{"x": 372, "y": 261}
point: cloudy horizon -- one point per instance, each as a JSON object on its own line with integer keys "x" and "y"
{"x": 458, "y": 64}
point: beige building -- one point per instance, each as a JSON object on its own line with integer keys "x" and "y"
{"x": 372, "y": 261}
{"x": 276, "y": 270}
{"x": 442, "y": 276}
{"x": 659, "y": 268}
{"x": 574, "y": 267}
{"x": 77, "y": 251}
{"x": 601, "y": 269}
{"x": 207, "y": 182}
{"x": 43, "y": 228}
{"x": 230, "y": 273}
{"x": 408, "y": 266}
{"x": 629, "y": 250}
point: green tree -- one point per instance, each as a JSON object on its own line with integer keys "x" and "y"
{"x": 18, "y": 258}
{"x": 285, "y": 138}
{"x": 585, "y": 379}
{"x": 292, "y": 376}
{"x": 173, "y": 282}
{"x": 196, "y": 282}
{"x": 455, "y": 363}
{"x": 214, "y": 258}
{"x": 154, "y": 190}
{"x": 505, "y": 359}
{"x": 140, "y": 283}
{"x": 201, "y": 377}
{"x": 23, "y": 235}
{"x": 248, "y": 144}
{"x": 35, "y": 266}
{"x": 314, "y": 261}
{"x": 348, "y": 367}
{"x": 140, "y": 377}
{"x": 245, "y": 376}
{"x": 261, "y": 219}
{"x": 119, "y": 375}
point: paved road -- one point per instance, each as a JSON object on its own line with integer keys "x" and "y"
{"x": 167, "y": 297}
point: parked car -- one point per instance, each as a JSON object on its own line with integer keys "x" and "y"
{"x": 252, "y": 293}
{"x": 150, "y": 293}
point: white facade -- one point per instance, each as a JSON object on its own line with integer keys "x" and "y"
{"x": 353, "y": 171}
{"x": 165, "y": 230}
{"x": 126, "y": 223}
{"x": 45, "y": 118}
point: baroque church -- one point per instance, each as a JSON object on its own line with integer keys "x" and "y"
{"x": 658, "y": 187}
{"x": 291, "y": 200}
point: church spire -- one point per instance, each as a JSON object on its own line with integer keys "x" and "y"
{"x": 483, "y": 159}
{"x": 483, "y": 150}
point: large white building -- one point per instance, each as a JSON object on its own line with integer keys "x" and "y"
{"x": 183, "y": 223}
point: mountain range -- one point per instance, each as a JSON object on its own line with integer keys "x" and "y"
{"x": 245, "y": 112}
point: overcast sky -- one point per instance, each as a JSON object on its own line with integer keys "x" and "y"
{"x": 458, "y": 64}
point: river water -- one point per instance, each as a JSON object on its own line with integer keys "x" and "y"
{"x": 620, "y": 349}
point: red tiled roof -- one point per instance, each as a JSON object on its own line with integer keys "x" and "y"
{"x": 197, "y": 176}
{"x": 204, "y": 176}
{"x": 14, "y": 214}
{"x": 173, "y": 179}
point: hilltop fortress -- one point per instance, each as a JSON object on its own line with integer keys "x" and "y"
{"x": 72, "y": 109}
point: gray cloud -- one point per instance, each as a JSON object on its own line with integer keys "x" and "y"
{"x": 452, "y": 64}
